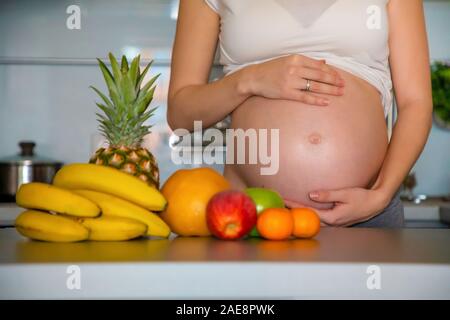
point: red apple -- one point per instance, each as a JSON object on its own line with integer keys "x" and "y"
{"x": 230, "y": 215}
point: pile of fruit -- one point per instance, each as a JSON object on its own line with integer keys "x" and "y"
{"x": 90, "y": 202}
{"x": 116, "y": 196}
{"x": 113, "y": 197}
{"x": 201, "y": 203}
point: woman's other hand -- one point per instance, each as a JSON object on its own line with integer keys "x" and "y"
{"x": 352, "y": 205}
{"x": 286, "y": 78}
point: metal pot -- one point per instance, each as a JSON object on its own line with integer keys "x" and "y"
{"x": 24, "y": 168}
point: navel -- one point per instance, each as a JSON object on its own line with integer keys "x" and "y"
{"x": 315, "y": 138}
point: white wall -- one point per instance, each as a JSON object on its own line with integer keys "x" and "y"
{"x": 53, "y": 105}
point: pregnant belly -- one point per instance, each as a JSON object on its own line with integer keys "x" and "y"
{"x": 320, "y": 148}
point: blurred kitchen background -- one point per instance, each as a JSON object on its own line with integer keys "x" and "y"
{"x": 46, "y": 70}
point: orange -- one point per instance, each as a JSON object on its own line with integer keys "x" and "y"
{"x": 306, "y": 222}
{"x": 187, "y": 192}
{"x": 275, "y": 224}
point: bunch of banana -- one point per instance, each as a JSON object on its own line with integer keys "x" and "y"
{"x": 47, "y": 197}
{"x": 111, "y": 181}
{"x": 116, "y": 207}
{"x": 90, "y": 202}
{"x": 43, "y": 226}
{"x": 113, "y": 228}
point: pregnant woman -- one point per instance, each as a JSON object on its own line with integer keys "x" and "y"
{"x": 323, "y": 73}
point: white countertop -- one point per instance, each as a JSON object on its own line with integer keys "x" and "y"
{"x": 412, "y": 264}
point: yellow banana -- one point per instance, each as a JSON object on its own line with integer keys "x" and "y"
{"x": 111, "y": 181}
{"x": 114, "y": 206}
{"x": 113, "y": 228}
{"x": 44, "y": 226}
{"x": 46, "y": 197}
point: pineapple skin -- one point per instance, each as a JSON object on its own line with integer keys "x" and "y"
{"x": 138, "y": 162}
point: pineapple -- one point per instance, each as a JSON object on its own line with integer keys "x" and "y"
{"x": 122, "y": 121}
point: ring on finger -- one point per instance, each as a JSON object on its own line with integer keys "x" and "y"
{"x": 308, "y": 85}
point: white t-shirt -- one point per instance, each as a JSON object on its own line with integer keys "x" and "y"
{"x": 349, "y": 34}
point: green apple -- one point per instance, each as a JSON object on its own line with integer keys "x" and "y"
{"x": 264, "y": 199}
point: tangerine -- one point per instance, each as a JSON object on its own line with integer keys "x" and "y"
{"x": 275, "y": 224}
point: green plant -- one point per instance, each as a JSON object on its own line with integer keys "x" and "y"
{"x": 440, "y": 79}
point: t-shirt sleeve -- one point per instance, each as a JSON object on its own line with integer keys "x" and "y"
{"x": 213, "y": 4}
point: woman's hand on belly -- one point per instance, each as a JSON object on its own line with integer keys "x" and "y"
{"x": 351, "y": 205}
{"x": 342, "y": 146}
{"x": 286, "y": 78}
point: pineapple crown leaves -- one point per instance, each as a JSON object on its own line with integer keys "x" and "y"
{"x": 126, "y": 109}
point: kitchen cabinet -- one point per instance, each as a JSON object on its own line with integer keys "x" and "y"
{"x": 339, "y": 263}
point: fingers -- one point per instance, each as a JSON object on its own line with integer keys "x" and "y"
{"x": 331, "y": 217}
{"x": 329, "y": 196}
{"x": 307, "y": 97}
{"x": 337, "y": 217}
{"x": 290, "y": 203}
{"x": 326, "y": 218}
{"x": 326, "y": 215}
{"x": 319, "y": 65}
{"x": 321, "y": 76}
{"x": 314, "y": 69}
{"x": 320, "y": 87}
{"x": 294, "y": 73}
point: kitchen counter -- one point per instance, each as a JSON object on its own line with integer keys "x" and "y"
{"x": 411, "y": 263}
{"x": 430, "y": 213}
{"x": 433, "y": 212}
